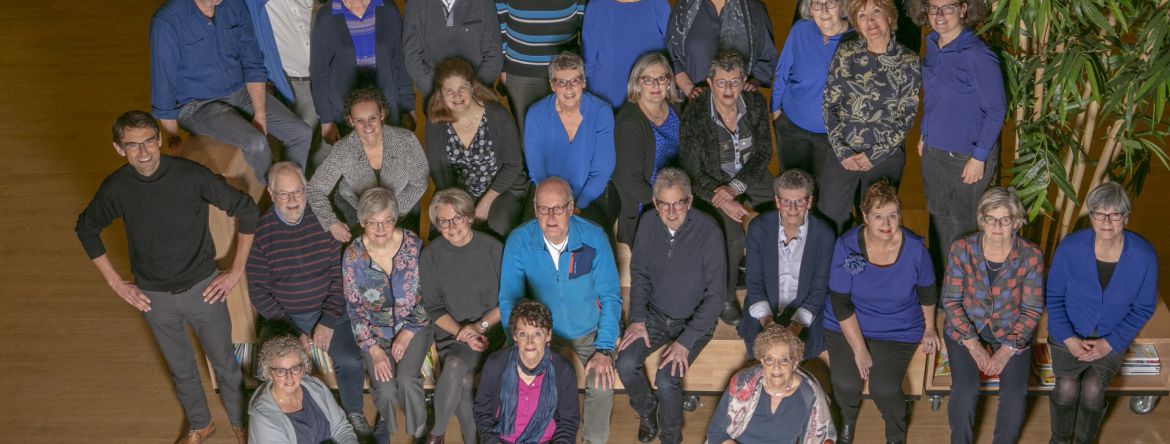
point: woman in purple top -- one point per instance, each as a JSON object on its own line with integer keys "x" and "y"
{"x": 881, "y": 285}
{"x": 527, "y": 394}
{"x": 961, "y": 118}
{"x": 380, "y": 278}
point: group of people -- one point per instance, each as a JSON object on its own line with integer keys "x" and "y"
{"x": 676, "y": 173}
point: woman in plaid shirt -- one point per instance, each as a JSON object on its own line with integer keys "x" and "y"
{"x": 993, "y": 295}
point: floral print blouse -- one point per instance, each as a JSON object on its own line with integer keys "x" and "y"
{"x": 870, "y": 99}
{"x": 381, "y": 303}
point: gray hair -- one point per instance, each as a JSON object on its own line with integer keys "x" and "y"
{"x": 793, "y": 179}
{"x": 634, "y": 85}
{"x": 1108, "y": 195}
{"x": 285, "y": 167}
{"x": 552, "y": 181}
{"x": 806, "y": 9}
{"x": 1000, "y": 197}
{"x": 456, "y": 198}
{"x": 277, "y": 348}
{"x": 670, "y": 177}
{"x": 566, "y": 61}
{"x": 376, "y": 200}
{"x": 728, "y": 60}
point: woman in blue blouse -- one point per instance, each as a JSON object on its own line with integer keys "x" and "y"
{"x": 646, "y": 137}
{"x": 870, "y": 100}
{"x": 1102, "y": 289}
{"x": 881, "y": 286}
{"x": 613, "y": 35}
{"x": 799, "y": 88}
{"x": 961, "y": 119}
{"x": 380, "y": 279}
{"x": 569, "y": 134}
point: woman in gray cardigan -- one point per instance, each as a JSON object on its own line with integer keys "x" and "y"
{"x": 292, "y": 407}
{"x": 473, "y": 144}
{"x": 372, "y": 155}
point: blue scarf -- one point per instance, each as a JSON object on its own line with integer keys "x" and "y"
{"x": 510, "y": 391}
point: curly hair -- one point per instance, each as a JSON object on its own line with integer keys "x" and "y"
{"x": 878, "y": 195}
{"x": 776, "y": 334}
{"x": 277, "y": 348}
{"x": 532, "y": 312}
{"x": 366, "y": 94}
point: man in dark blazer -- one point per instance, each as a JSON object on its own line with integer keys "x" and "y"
{"x": 788, "y": 258}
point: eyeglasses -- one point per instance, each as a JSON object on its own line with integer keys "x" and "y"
{"x": 554, "y": 210}
{"x": 369, "y": 121}
{"x": 821, "y": 6}
{"x": 285, "y": 196}
{"x": 381, "y": 224}
{"x": 1005, "y": 221}
{"x": 452, "y": 222}
{"x": 651, "y": 81}
{"x": 676, "y": 206}
{"x": 574, "y": 82}
{"x": 461, "y": 90}
{"x": 1100, "y": 217}
{"x": 783, "y": 360}
{"x": 790, "y": 203}
{"x": 295, "y": 370}
{"x": 153, "y": 142}
{"x": 724, "y": 83}
{"x": 942, "y": 10}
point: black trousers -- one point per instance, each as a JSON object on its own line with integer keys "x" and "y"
{"x": 890, "y": 360}
{"x": 1013, "y": 393}
{"x": 841, "y": 189}
{"x": 631, "y": 369}
{"x": 800, "y": 148}
{"x": 758, "y": 196}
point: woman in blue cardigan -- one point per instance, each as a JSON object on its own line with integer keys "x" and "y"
{"x": 1102, "y": 288}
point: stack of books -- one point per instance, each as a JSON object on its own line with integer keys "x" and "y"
{"x": 1141, "y": 359}
{"x": 942, "y": 368}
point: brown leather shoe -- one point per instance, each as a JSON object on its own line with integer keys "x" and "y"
{"x": 434, "y": 439}
{"x": 196, "y": 436}
{"x": 241, "y": 434}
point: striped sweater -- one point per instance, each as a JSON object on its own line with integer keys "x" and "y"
{"x": 295, "y": 269}
{"x": 535, "y": 31}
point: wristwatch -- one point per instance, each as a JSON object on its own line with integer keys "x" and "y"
{"x": 607, "y": 353}
{"x": 483, "y": 326}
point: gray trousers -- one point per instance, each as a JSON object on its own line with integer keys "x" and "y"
{"x": 228, "y": 120}
{"x": 598, "y": 402}
{"x": 522, "y": 93}
{"x": 953, "y": 205}
{"x": 303, "y": 107}
{"x": 841, "y": 189}
{"x": 453, "y": 390}
{"x": 168, "y": 318}
{"x": 406, "y": 386}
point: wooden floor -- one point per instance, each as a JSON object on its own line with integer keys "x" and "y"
{"x": 78, "y": 364}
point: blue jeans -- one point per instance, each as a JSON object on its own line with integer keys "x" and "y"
{"x": 347, "y": 358}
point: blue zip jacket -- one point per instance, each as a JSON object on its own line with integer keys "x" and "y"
{"x": 1077, "y": 305}
{"x": 263, "y": 28}
{"x": 583, "y": 295}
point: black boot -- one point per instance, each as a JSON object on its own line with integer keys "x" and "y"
{"x": 648, "y": 426}
{"x": 1062, "y": 419}
{"x": 1088, "y": 424}
{"x": 845, "y": 436}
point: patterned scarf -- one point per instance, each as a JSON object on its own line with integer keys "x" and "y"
{"x": 509, "y": 391}
{"x": 744, "y": 394}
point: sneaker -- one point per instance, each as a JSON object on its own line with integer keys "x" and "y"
{"x": 648, "y": 426}
{"x": 360, "y": 426}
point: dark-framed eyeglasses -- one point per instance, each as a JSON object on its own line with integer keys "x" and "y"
{"x": 651, "y": 81}
{"x": 295, "y": 370}
{"x": 821, "y": 6}
{"x": 794, "y": 203}
{"x": 565, "y": 83}
{"x": 1005, "y": 221}
{"x": 285, "y": 196}
{"x": 555, "y": 210}
{"x": 676, "y": 206}
{"x": 153, "y": 142}
{"x": 942, "y": 10}
{"x": 1100, "y": 217}
{"x": 783, "y": 360}
{"x": 452, "y": 222}
{"x": 725, "y": 83}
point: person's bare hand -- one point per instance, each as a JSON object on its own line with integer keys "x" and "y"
{"x": 863, "y": 361}
{"x": 972, "y": 171}
{"x": 329, "y": 133}
{"x": 998, "y": 361}
{"x": 920, "y": 145}
{"x": 401, "y": 341}
{"x": 221, "y": 285}
{"x": 382, "y": 369}
{"x": 322, "y": 336}
{"x": 722, "y": 195}
{"x": 676, "y": 357}
{"x": 467, "y": 333}
{"x": 634, "y": 332}
{"x": 132, "y": 295}
{"x": 340, "y": 232}
{"x": 734, "y": 211}
{"x": 930, "y": 342}
{"x": 483, "y": 209}
{"x": 260, "y": 121}
{"x": 602, "y": 368}
{"x": 978, "y": 354}
{"x": 1099, "y": 349}
{"x": 1077, "y": 347}
{"x": 862, "y": 162}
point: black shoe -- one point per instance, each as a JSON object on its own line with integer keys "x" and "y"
{"x": 648, "y": 426}
{"x": 846, "y": 434}
{"x": 730, "y": 314}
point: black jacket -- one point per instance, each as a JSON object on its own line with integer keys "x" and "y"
{"x": 511, "y": 175}
{"x": 699, "y": 145}
{"x": 634, "y": 140}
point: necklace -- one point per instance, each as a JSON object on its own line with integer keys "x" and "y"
{"x": 787, "y": 390}
{"x": 988, "y": 261}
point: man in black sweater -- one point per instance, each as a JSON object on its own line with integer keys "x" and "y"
{"x": 164, "y": 201}
{"x": 678, "y": 285}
